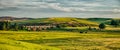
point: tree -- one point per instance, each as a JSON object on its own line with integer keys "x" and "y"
{"x": 102, "y": 26}
{"x": 89, "y": 28}
{"x": 8, "y": 25}
{"x": 58, "y": 26}
{"x": 4, "y": 26}
{"x": 0, "y": 25}
{"x": 114, "y": 23}
{"x": 16, "y": 27}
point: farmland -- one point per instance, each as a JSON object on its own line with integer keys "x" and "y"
{"x": 59, "y": 24}
{"x": 62, "y": 40}
{"x": 69, "y": 34}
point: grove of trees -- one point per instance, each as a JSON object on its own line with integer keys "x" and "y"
{"x": 6, "y": 25}
{"x": 114, "y": 23}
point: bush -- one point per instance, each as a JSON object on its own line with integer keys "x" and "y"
{"x": 102, "y": 26}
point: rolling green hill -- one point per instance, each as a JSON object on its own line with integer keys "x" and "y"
{"x": 84, "y": 21}
{"x": 62, "y": 40}
{"x": 6, "y": 44}
{"x": 31, "y": 20}
{"x": 103, "y": 20}
{"x": 59, "y": 20}
{"x": 99, "y": 20}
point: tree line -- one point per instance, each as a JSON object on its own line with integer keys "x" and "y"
{"x": 6, "y": 25}
{"x": 114, "y": 23}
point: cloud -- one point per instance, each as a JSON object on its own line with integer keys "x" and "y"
{"x": 65, "y": 5}
{"x": 62, "y": 6}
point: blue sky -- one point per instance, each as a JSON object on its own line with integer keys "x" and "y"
{"x": 60, "y": 8}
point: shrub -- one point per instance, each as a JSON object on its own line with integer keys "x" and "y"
{"x": 102, "y": 26}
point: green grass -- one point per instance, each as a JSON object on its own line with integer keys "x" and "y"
{"x": 31, "y": 20}
{"x": 6, "y": 44}
{"x": 58, "y": 20}
{"x": 99, "y": 20}
{"x": 62, "y": 40}
{"x": 82, "y": 21}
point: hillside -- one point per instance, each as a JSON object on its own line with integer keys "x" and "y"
{"x": 6, "y": 44}
{"x": 59, "y": 20}
{"x": 11, "y": 18}
{"x": 62, "y": 40}
{"x": 103, "y": 20}
{"x": 99, "y": 20}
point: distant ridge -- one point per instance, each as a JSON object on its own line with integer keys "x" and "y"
{"x": 11, "y": 18}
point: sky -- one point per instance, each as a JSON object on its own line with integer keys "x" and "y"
{"x": 60, "y": 8}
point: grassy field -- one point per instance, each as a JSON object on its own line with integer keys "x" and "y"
{"x": 67, "y": 38}
{"x": 57, "y": 20}
{"x": 7, "y": 44}
{"x": 59, "y": 40}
